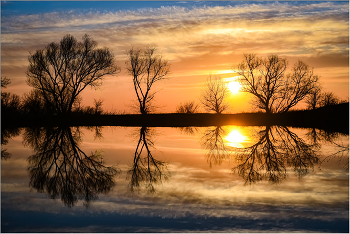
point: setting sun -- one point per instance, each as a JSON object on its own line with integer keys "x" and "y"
{"x": 234, "y": 87}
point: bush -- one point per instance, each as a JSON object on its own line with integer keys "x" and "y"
{"x": 190, "y": 107}
{"x": 33, "y": 103}
{"x": 329, "y": 99}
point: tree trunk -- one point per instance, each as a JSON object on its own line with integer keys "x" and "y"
{"x": 142, "y": 110}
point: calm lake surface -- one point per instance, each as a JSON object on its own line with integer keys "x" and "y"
{"x": 209, "y": 179}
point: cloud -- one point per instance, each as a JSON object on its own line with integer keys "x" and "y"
{"x": 197, "y": 38}
{"x": 180, "y": 28}
{"x": 174, "y": 15}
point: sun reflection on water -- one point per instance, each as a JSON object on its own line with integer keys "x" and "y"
{"x": 235, "y": 138}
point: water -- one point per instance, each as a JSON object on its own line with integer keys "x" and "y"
{"x": 213, "y": 179}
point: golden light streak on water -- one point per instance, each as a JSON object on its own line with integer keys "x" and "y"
{"x": 235, "y": 138}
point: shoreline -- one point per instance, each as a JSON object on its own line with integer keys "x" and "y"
{"x": 330, "y": 118}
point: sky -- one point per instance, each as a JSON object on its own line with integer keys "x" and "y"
{"x": 199, "y": 39}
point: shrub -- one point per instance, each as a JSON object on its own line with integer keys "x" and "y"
{"x": 190, "y": 107}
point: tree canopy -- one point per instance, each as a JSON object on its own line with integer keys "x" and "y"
{"x": 61, "y": 71}
{"x": 214, "y": 95}
{"x": 146, "y": 68}
{"x": 273, "y": 89}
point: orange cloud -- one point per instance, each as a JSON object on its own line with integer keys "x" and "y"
{"x": 198, "y": 41}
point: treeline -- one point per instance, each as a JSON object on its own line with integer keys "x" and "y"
{"x": 60, "y": 72}
{"x": 33, "y": 104}
{"x": 273, "y": 89}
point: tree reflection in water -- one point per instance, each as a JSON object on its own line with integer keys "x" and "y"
{"x": 341, "y": 152}
{"x": 61, "y": 169}
{"x": 97, "y": 132}
{"x": 213, "y": 141}
{"x": 189, "y": 130}
{"x": 275, "y": 149}
{"x": 6, "y": 134}
{"x": 145, "y": 168}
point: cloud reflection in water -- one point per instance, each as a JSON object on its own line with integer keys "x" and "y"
{"x": 197, "y": 196}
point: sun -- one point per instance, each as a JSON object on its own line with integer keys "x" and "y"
{"x": 234, "y": 87}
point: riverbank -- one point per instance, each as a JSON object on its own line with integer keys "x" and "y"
{"x": 331, "y": 118}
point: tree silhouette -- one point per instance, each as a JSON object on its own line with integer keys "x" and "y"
{"x": 314, "y": 98}
{"x": 146, "y": 169}
{"x": 33, "y": 103}
{"x": 273, "y": 90}
{"x": 214, "y": 95}
{"x": 329, "y": 99}
{"x": 10, "y": 102}
{"x": 61, "y": 71}
{"x": 98, "y": 106}
{"x": 276, "y": 147}
{"x": 189, "y": 107}
{"x": 146, "y": 69}
{"x": 61, "y": 169}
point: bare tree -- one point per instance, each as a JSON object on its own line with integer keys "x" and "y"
{"x": 146, "y": 68}
{"x": 214, "y": 95}
{"x": 329, "y": 99}
{"x": 98, "y": 106}
{"x": 189, "y": 107}
{"x": 275, "y": 91}
{"x": 61, "y": 71}
{"x": 33, "y": 103}
{"x": 314, "y": 98}
{"x": 10, "y": 102}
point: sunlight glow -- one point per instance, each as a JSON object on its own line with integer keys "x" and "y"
{"x": 235, "y": 138}
{"x": 220, "y": 31}
{"x": 234, "y": 87}
{"x": 230, "y": 71}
